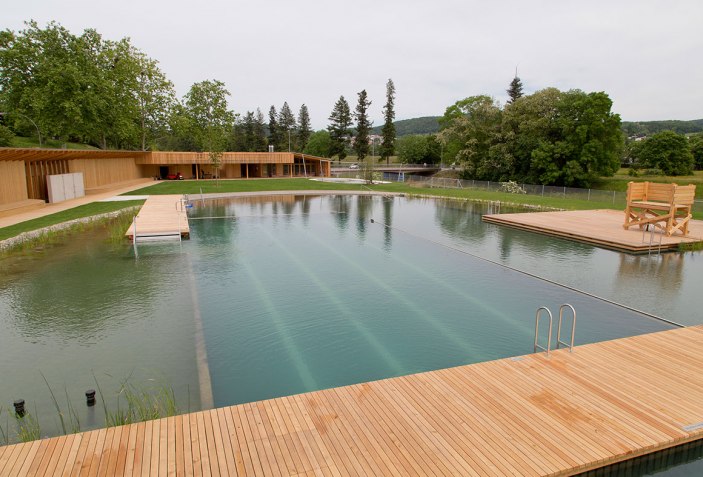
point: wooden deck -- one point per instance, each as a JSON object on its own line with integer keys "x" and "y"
{"x": 597, "y": 227}
{"x": 160, "y": 216}
{"x": 532, "y": 415}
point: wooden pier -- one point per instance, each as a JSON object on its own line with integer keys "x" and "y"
{"x": 161, "y": 216}
{"x": 603, "y": 228}
{"x": 531, "y": 415}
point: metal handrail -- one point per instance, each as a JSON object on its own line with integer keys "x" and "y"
{"x": 573, "y": 327}
{"x": 549, "y": 337}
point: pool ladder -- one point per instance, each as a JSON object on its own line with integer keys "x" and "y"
{"x": 563, "y": 307}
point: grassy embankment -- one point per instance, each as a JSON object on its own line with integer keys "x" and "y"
{"x": 87, "y": 210}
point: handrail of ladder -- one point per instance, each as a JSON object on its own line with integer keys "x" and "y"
{"x": 549, "y": 337}
{"x": 573, "y": 327}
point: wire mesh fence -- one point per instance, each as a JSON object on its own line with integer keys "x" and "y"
{"x": 609, "y": 197}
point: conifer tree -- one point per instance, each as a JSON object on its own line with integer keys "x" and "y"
{"x": 274, "y": 133}
{"x": 515, "y": 89}
{"x": 259, "y": 132}
{"x": 304, "y": 130}
{"x": 286, "y": 126}
{"x": 340, "y": 121}
{"x": 388, "y": 131}
{"x": 361, "y": 141}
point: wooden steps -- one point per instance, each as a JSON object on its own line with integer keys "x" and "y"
{"x": 532, "y": 415}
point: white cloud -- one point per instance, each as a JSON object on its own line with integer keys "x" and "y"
{"x": 644, "y": 54}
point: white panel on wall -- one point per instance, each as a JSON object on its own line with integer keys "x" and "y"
{"x": 79, "y": 184}
{"x": 65, "y": 186}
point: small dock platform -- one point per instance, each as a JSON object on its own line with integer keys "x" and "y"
{"x": 531, "y": 415}
{"x": 602, "y": 228}
{"x": 161, "y": 217}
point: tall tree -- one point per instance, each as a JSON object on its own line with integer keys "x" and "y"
{"x": 388, "y": 131}
{"x": 206, "y": 106}
{"x": 340, "y": 121}
{"x": 286, "y": 125}
{"x": 274, "y": 133}
{"x": 304, "y": 130}
{"x": 361, "y": 141}
{"x": 259, "y": 132}
{"x": 515, "y": 89}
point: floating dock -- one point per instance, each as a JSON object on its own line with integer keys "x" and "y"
{"x": 161, "y": 217}
{"x": 602, "y": 228}
{"x": 531, "y": 415}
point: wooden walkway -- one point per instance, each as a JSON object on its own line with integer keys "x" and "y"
{"x": 602, "y": 228}
{"x": 532, "y": 415}
{"x": 160, "y": 216}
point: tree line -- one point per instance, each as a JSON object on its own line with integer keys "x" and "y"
{"x": 109, "y": 94}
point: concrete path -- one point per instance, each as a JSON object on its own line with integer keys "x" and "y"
{"x": 49, "y": 209}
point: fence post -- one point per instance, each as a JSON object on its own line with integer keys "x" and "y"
{"x": 613, "y": 197}
{"x": 542, "y": 190}
{"x": 589, "y": 195}
{"x": 565, "y": 192}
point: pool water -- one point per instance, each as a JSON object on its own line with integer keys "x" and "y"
{"x": 298, "y": 293}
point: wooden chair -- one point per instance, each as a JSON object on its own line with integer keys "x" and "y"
{"x": 665, "y": 206}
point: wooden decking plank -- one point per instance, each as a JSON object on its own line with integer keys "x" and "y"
{"x": 533, "y": 415}
{"x": 481, "y": 462}
{"x": 309, "y": 459}
{"x": 287, "y": 464}
{"x": 204, "y": 445}
{"x": 20, "y": 458}
{"x": 495, "y": 430}
{"x": 242, "y": 457}
{"x": 263, "y": 446}
{"x": 443, "y": 454}
{"x": 318, "y": 446}
{"x": 58, "y": 461}
{"x": 575, "y": 435}
{"x": 347, "y": 402}
{"x": 136, "y": 439}
{"x": 196, "y": 459}
{"x": 213, "y": 421}
{"x": 258, "y": 459}
{"x": 409, "y": 434}
{"x": 554, "y": 410}
{"x": 327, "y": 414}
{"x": 294, "y": 457}
{"x": 271, "y": 442}
{"x": 352, "y": 434}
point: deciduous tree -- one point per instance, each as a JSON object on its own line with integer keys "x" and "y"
{"x": 666, "y": 151}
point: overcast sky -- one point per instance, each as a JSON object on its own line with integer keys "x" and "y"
{"x": 645, "y": 54}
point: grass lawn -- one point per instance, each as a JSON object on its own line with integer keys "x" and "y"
{"x": 621, "y": 178}
{"x": 19, "y": 141}
{"x": 79, "y": 212}
{"x": 251, "y": 185}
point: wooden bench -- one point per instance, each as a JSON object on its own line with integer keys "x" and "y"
{"x": 666, "y": 206}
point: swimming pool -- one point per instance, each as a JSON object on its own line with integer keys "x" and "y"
{"x": 274, "y": 296}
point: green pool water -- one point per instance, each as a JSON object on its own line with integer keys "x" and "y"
{"x": 303, "y": 293}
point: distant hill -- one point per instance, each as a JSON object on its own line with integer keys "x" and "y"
{"x": 429, "y": 125}
{"x": 406, "y": 127}
{"x": 645, "y": 128}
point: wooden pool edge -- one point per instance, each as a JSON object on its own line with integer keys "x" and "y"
{"x": 530, "y": 415}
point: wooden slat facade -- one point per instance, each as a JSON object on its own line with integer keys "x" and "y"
{"x": 104, "y": 168}
{"x": 531, "y": 415}
{"x": 602, "y": 228}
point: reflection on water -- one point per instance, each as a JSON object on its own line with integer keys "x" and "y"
{"x": 666, "y": 269}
